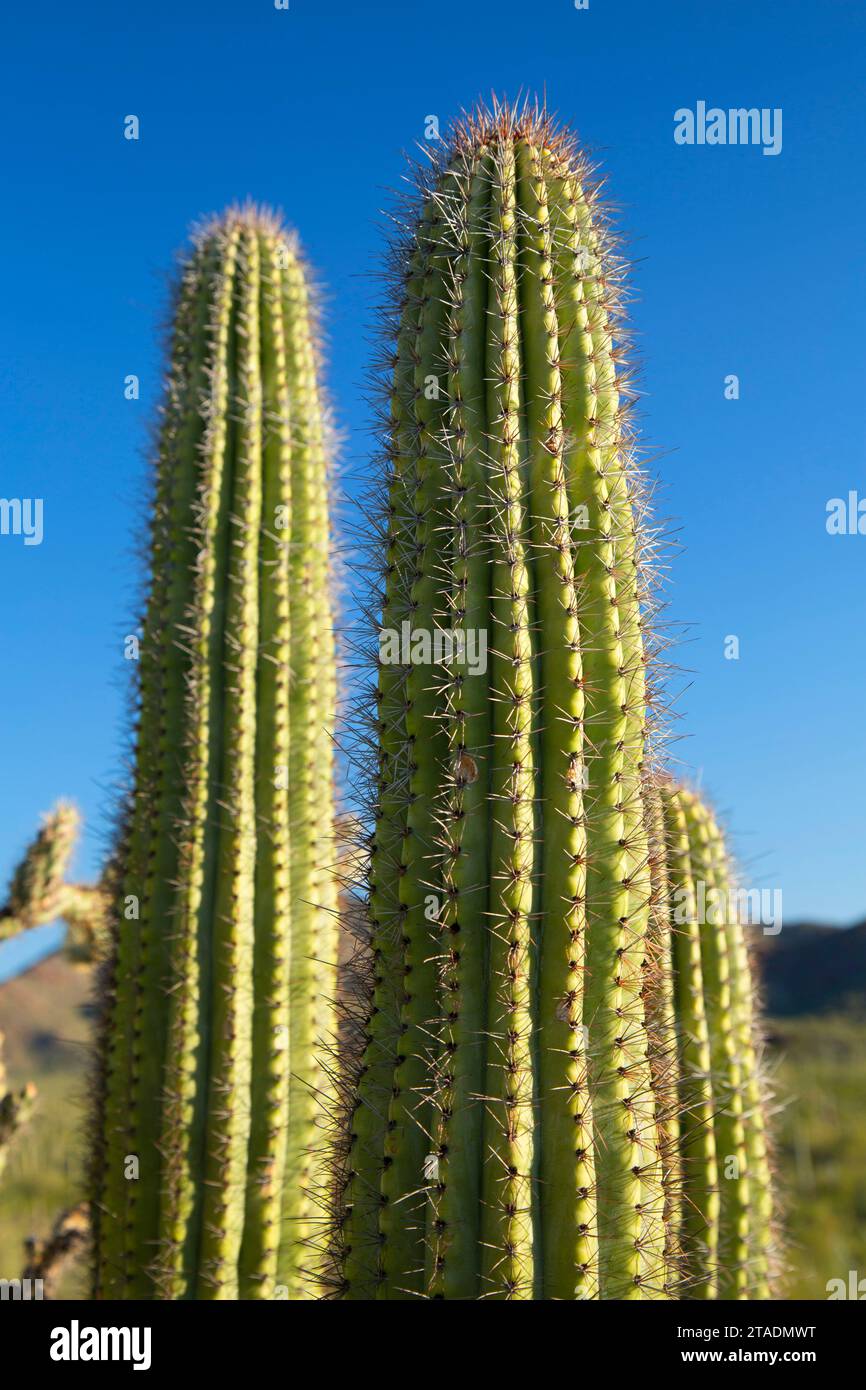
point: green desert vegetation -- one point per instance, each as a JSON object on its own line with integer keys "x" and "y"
{"x": 821, "y": 1136}
{"x": 45, "y": 1015}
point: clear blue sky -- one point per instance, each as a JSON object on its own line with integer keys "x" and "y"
{"x": 748, "y": 264}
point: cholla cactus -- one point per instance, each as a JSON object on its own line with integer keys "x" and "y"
{"x": 39, "y": 892}
{"x": 16, "y": 1108}
{"x": 726, "y": 1212}
{"x": 48, "y": 1259}
{"x": 209, "y": 1178}
{"x": 39, "y": 882}
{"x": 506, "y": 1141}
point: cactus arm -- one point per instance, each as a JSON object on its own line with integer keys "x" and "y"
{"x": 700, "y": 1231}
{"x": 507, "y": 1265}
{"x": 40, "y": 893}
{"x": 567, "y": 1178}
{"x": 38, "y": 884}
{"x": 85, "y": 908}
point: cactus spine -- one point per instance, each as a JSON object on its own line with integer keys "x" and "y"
{"x": 213, "y": 1076}
{"x": 727, "y": 1207}
{"x": 506, "y": 1142}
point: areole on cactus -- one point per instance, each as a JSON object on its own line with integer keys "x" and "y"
{"x": 208, "y": 1178}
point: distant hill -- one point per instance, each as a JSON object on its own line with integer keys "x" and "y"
{"x": 43, "y": 1013}
{"x": 813, "y": 969}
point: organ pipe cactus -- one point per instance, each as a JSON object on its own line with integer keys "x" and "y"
{"x": 726, "y": 1210}
{"x": 214, "y": 1080}
{"x": 506, "y": 1140}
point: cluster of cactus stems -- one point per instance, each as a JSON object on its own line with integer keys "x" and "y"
{"x": 209, "y": 1175}
{"x": 529, "y": 1105}
{"x": 556, "y": 1092}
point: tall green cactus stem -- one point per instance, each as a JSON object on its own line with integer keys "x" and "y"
{"x": 505, "y": 1143}
{"x": 728, "y": 1201}
{"x": 215, "y": 1075}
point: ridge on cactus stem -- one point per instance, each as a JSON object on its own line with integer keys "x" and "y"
{"x": 727, "y": 1213}
{"x": 214, "y": 1080}
{"x": 506, "y": 1140}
